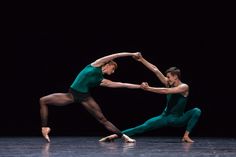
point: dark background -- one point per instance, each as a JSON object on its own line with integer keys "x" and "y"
{"x": 47, "y": 52}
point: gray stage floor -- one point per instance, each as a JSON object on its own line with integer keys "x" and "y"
{"x": 90, "y": 147}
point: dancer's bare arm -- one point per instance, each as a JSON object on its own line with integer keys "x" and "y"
{"x": 101, "y": 61}
{"x": 111, "y": 84}
{"x": 183, "y": 89}
{"x": 153, "y": 68}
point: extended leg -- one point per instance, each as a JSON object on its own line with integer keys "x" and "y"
{"x": 94, "y": 109}
{"x": 151, "y": 124}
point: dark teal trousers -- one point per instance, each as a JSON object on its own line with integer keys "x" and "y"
{"x": 188, "y": 119}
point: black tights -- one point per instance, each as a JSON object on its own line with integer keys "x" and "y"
{"x": 62, "y": 99}
{"x": 93, "y": 108}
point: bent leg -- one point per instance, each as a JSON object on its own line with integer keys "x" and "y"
{"x": 151, "y": 124}
{"x": 190, "y": 118}
{"x": 58, "y": 99}
{"x": 196, "y": 112}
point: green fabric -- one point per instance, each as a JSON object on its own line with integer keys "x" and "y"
{"x": 175, "y": 104}
{"x": 173, "y": 115}
{"x": 89, "y": 77}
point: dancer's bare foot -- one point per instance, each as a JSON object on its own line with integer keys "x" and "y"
{"x": 187, "y": 139}
{"x": 45, "y": 132}
{"x": 108, "y": 138}
{"x": 127, "y": 139}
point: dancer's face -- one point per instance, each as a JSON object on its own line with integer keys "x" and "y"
{"x": 171, "y": 79}
{"x": 109, "y": 69}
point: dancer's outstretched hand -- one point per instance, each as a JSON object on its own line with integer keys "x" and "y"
{"x": 144, "y": 85}
{"x": 137, "y": 56}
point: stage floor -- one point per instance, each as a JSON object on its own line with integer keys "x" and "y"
{"x": 90, "y": 147}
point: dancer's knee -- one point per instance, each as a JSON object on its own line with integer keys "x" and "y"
{"x": 197, "y": 112}
{"x": 42, "y": 101}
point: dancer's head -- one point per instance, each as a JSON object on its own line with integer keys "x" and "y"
{"x": 109, "y": 67}
{"x": 173, "y": 74}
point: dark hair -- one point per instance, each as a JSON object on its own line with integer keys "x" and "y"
{"x": 113, "y": 63}
{"x": 174, "y": 71}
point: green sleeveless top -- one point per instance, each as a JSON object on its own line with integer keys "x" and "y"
{"x": 89, "y": 77}
{"x": 175, "y": 104}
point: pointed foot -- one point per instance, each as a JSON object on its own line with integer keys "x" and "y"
{"x": 187, "y": 140}
{"x": 45, "y": 132}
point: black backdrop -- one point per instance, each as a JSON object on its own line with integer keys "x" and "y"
{"x": 43, "y": 62}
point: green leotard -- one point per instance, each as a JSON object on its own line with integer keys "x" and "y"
{"x": 175, "y": 104}
{"x": 173, "y": 115}
{"x": 89, "y": 77}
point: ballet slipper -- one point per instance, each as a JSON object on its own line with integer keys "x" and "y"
{"x": 187, "y": 139}
{"x": 45, "y": 132}
{"x": 127, "y": 139}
